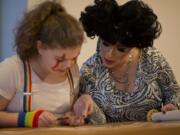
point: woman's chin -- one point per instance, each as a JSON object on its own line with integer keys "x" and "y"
{"x": 108, "y": 64}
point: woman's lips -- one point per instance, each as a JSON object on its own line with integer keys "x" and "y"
{"x": 108, "y": 62}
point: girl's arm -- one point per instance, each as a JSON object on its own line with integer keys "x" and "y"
{"x": 7, "y": 119}
{"x": 38, "y": 118}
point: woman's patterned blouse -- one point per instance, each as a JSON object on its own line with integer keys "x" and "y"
{"x": 154, "y": 84}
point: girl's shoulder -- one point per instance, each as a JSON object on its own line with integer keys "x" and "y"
{"x": 11, "y": 64}
{"x": 11, "y": 70}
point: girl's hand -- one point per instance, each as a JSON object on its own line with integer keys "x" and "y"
{"x": 83, "y": 106}
{"x": 46, "y": 119}
{"x": 168, "y": 107}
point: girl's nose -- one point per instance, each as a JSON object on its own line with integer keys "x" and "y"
{"x": 68, "y": 64}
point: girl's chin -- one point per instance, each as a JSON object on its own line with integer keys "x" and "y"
{"x": 60, "y": 72}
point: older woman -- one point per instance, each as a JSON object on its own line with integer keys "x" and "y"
{"x": 127, "y": 76}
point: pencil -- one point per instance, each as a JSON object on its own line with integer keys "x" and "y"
{"x": 163, "y": 111}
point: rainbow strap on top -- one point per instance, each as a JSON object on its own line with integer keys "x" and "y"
{"x": 71, "y": 83}
{"x": 27, "y": 87}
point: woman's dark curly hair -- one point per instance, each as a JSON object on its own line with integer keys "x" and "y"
{"x": 133, "y": 24}
{"x": 52, "y": 25}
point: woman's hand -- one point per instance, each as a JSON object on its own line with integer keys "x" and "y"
{"x": 168, "y": 107}
{"x": 83, "y": 106}
{"x": 46, "y": 119}
{"x": 70, "y": 119}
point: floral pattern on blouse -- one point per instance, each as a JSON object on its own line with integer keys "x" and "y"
{"x": 154, "y": 84}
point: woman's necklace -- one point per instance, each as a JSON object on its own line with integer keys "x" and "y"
{"x": 124, "y": 78}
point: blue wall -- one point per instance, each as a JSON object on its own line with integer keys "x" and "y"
{"x": 11, "y": 12}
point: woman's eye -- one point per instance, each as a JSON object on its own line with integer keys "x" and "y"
{"x": 105, "y": 44}
{"x": 121, "y": 49}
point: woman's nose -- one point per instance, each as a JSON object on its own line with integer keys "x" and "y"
{"x": 110, "y": 52}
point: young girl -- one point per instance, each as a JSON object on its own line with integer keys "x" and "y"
{"x": 40, "y": 82}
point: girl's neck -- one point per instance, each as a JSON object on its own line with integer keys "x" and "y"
{"x": 38, "y": 68}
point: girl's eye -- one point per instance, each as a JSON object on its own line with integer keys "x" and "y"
{"x": 59, "y": 61}
{"x": 75, "y": 59}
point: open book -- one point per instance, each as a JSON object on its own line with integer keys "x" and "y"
{"x": 168, "y": 116}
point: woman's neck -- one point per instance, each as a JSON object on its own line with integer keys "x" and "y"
{"x": 124, "y": 75}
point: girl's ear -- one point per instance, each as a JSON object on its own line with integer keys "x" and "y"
{"x": 41, "y": 47}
